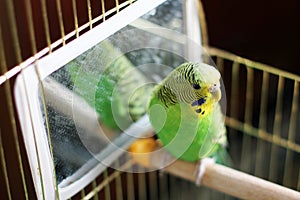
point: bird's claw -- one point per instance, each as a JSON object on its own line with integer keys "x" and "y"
{"x": 200, "y": 169}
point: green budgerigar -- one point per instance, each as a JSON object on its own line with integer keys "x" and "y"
{"x": 186, "y": 114}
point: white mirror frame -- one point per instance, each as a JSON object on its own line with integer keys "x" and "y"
{"x": 27, "y": 98}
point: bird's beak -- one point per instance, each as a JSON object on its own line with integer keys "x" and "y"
{"x": 215, "y": 91}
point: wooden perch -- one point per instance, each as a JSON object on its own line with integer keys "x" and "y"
{"x": 216, "y": 176}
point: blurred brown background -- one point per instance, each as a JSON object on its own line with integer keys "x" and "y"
{"x": 265, "y": 31}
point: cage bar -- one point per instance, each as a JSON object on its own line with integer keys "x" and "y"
{"x": 276, "y": 131}
{"x": 4, "y": 168}
{"x": 262, "y": 125}
{"x": 60, "y": 21}
{"x": 246, "y": 141}
{"x": 89, "y": 13}
{"x": 11, "y": 114}
{"x": 291, "y": 136}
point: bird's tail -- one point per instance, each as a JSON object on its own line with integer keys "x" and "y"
{"x": 222, "y": 156}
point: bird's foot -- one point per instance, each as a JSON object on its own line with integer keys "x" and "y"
{"x": 200, "y": 168}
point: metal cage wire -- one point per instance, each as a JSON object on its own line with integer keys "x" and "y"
{"x": 263, "y": 128}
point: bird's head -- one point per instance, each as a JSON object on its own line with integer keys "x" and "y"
{"x": 197, "y": 84}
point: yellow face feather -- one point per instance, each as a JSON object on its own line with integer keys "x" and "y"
{"x": 196, "y": 84}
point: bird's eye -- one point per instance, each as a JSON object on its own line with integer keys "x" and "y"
{"x": 196, "y": 86}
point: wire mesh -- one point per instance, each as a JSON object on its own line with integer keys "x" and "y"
{"x": 262, "y": 119}
{"x": 32, "y": 39}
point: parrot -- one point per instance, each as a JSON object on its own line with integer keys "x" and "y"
{"x": 111, "y": 84}
{"x": 183, "y": 109}
{"x": 185, "y": 112}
